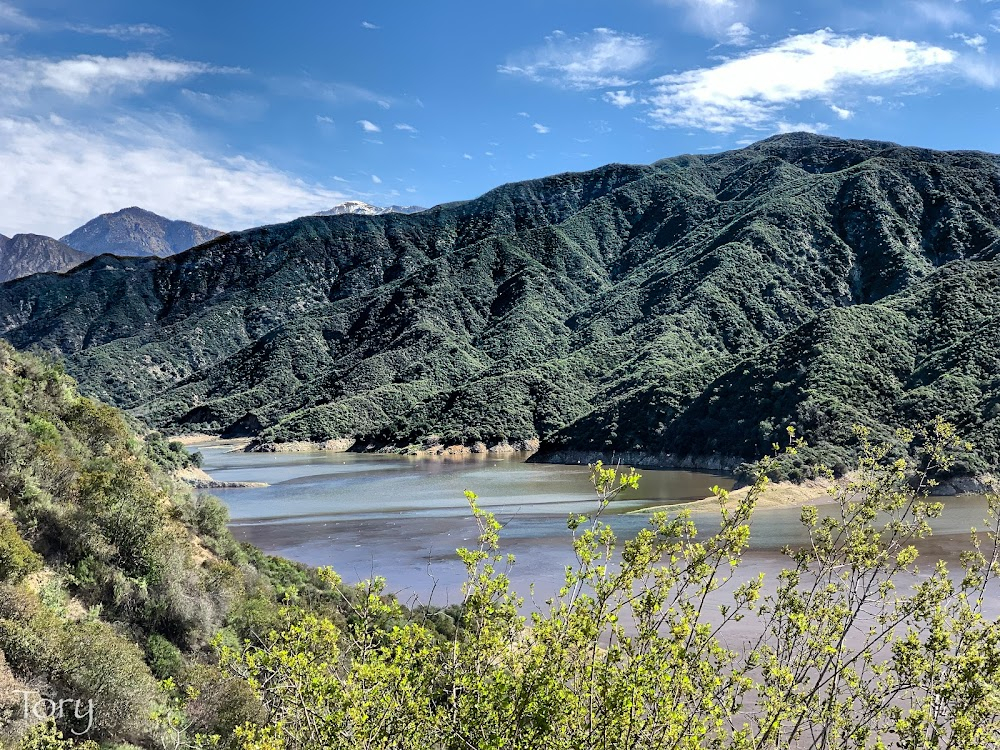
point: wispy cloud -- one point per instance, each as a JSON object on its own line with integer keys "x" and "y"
{"x": 376, "y": 179}
{"x": 328, "y": 92}
{"x": 12, "y": 17}
{"x": 724, "y": 20}
{"x": 539, "y": 128}
{"x": 369, "y": 25}
{"x": 976, "y": 41}
{"x": 324, "y": 120}
{"x": 947, "y": 14}
{"x": 841, "y": 112}
{"x": 467, "y": 157}
{"x": 369, "y": 127}
{"x": 57, "y": 174}
{"x": 752, "y": 90}
{"x": 124, "y": 32}
{"x": 82, "y": 76}
{"x": 598, "y": 59}
{"x": 406, "y": 128}
{"x": 229, "y": 107}
{"x": 619, "y": 98}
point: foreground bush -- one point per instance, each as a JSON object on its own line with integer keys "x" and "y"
{"x": 855, "y": 647}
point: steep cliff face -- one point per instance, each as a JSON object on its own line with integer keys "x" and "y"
{"x": 629, "y": 308}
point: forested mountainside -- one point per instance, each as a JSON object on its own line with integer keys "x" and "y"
{"x": 693, "y": 307}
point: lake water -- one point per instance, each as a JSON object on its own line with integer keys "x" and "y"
{"x": 403, "y": 517}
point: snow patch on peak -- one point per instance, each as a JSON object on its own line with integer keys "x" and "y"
{"x": 361, "y": 208}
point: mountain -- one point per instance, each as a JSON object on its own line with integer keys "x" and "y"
{"x": 367, "y": 209}
{"x": 25, "y": 254}
{"x": 685, "y": 311}
{"x": 137, "y": 232}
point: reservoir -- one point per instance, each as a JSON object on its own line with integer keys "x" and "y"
{"x": 403, "y": 517}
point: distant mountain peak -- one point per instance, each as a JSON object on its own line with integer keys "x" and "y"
{"x": 25, "y": 254}
{"x": 137, "y": 231}
{"x": 360, "y": 208}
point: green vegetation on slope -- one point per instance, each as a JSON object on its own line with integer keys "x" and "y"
{"x": 114, "y": 577}
{"x": 631, "y": 308}
{"x": 129, "y": 615}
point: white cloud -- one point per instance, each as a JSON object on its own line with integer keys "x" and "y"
{"x": 59, "y": 174}
{"x": 750, "y": 91}
{"x": 121, "y": 31}
{"x": 539, "y": 128}
{"x": 523, "y": 114}
{"x": 739, "y": 34}
{"x": 82, "y": 76}
{"x": 976, "y": 41}
{"x": 721, "y": 19}
{"x": 369, "y": 127}
{"x": 11, "y": 17}
{"x": 405, "y": 127}
{"x": 369, "y": 25}
{"x": 843, "y": 114}
{"x": 324, "y": 120}
{"x": 467, "y": 156}
{"x": 384, "y": 104}
{"x": 619, "y": 98}
{"x": 800, "y": 127}
{"x": 376, "y": 179}
{"x": 598, "y": 59}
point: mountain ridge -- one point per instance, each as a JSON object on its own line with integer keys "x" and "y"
{"x": 135, "y": 231}
{"x": 26, "y": 254}
{"x": 597, "y": 311}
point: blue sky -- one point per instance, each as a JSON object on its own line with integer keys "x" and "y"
{"x": 234, "y": 114}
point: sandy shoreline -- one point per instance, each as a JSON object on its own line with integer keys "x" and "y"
{"x": 777, "y": 495}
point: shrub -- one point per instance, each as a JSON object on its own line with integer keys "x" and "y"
{"x": 631, "y": 652}
{"x": 164, "y": 658}
{"x": 17, "y": 559}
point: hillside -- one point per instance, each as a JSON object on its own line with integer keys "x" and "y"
{"x": 25, "y": 254}
{"x": 113, "y": 576}
{"x": 688, "y": 309}
{"x": 135, "y": 231}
